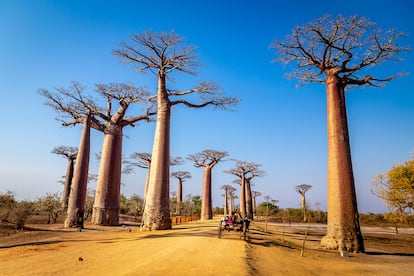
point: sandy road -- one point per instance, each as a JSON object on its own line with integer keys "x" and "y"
{"x": 193, "y": 250}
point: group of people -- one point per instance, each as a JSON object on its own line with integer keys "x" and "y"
{"x": 233, "y": 218}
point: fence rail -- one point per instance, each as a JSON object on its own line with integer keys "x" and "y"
{"x": 183, "y": 219}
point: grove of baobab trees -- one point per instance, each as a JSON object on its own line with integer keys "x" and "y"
{"x": 246, "y": 171}
{"x": 163, "y": 54}
{"x": 207, "y": 159}
{"x": 338, "y": 51}
{"x": 72, "y": 102}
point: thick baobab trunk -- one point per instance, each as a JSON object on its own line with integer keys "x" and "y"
{"x": 77, "y": 197}
{"x": 157, "y": 202}
{"x": 107, "y": 196}
{"x": 67, "y": 185}
{"x": 249, "y": 201}
{"x": 343, "y": 231}
{"x": 179, "y": 196}
{"x": 231, "y": 203}
{"x": 243, "y": 196}
{"x": 206, "y": 202}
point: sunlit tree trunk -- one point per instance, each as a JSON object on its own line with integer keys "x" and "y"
{"x": 243, "y": 196}
{"x": 147, "y": 181}
{"x": 231, "y": 204}
{"x": 157, "y": 202}
{"x": 77, "y": 197}
{"x": 343, "y": 231}
{"x": 249, "y": 201}
{"x": 206, "y": 203}
{"x": 107, "y": 196}
{"x": 226, "y": 202}
{"x": 68, "y": 183}
{"x": 179, "y": 196}
{"x": 303, "y": 203}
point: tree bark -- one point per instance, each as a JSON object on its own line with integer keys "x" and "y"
{"x": 147, "y": 181}
{"x": 226, "y": 202}
{"x": 343, "y": 231}
{"x": 243, "y": 196}
{"x": 107, "y": 196}
{"x": 77, "y": 197}
{"x": 157, "y": 202}
{"x": 304, "y": 207}
{"x": 206, "y": 202}
{"x": 231, "y": 203}
{"x": 68, "y": 183}
{"x": 179, "y": 196}
{"x": 254, "y": 205}
{"x": 249, "y": 202}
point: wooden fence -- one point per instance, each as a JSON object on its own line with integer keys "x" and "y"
{"x": 184, "y": 219}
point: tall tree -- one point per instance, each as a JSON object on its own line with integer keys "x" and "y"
{"x": 182, "y": 176}
{"x": 338, "y": 52}
{"x": 207, "y": 159}
{"x": 113, "y": 120}
{"x": 227, "y": 188}
{"x": 255, "y": 194}
{"x": 143, "y": 160}
{"x": 74, "y": 107}
{"x": 302, "y": 189}
{"x": 246, "y": 171}
{"x": 163, "y": 54}
{"x": 70, "y": 154}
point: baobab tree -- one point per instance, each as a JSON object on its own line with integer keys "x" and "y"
{"x": 255, "y": 194}
{"x": 70, "y": 154}
{"x": 246, "y": 171}
{"x": 163, "y": 54}
{"x": 73, "y": 107}
{"x": 143, "y": 160}
{"x": 182, "y": 176}
{"x": 207, "y": 159}
{"x": 74, "y": 103}
{"x": 338, "y": 52}
{"x": 227, "y": 188}
{"x": 302, "y": 189}
{"x": 113, "y": 120}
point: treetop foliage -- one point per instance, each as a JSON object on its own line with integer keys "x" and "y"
{"x": 396, "y": 188}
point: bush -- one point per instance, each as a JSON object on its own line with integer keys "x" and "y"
{"x": 7, "y": 204}
{"x": 20, "y": 213}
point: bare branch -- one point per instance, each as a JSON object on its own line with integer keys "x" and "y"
{"x": 345, "y": 44}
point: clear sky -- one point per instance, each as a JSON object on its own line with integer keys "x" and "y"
{"x": 48, "y": 44}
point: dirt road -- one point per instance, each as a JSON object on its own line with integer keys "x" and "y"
{"x": 192, "y": 250}
{"x": 187, "y": 249}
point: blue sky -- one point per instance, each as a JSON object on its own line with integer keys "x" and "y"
{"x": 48, "y": 44}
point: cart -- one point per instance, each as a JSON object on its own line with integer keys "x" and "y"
{"x": 228, "y": 224}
